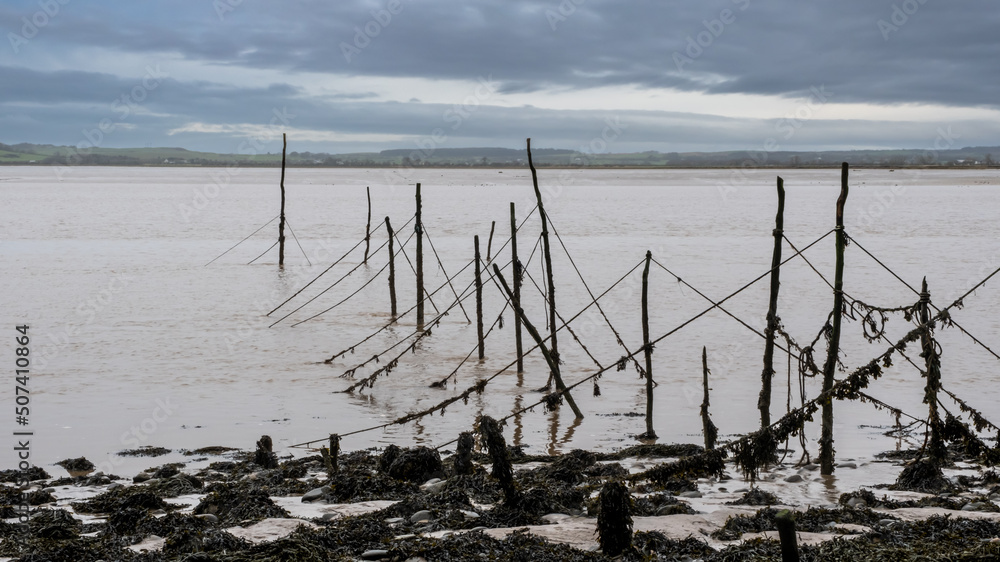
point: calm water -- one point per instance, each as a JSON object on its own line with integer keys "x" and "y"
{"x": 136, "y": 341}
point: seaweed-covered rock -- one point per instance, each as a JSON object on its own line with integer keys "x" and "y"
{"x": 655, "y": 542}
{"x": 756, "y": 496}
{"x": 264, "y": 455}
{"x": 144, "y": 451}
{"x": 813, "y": 520}
{"x": 655, "y": 504}
{"x": 33, "y": 473}
{"x": 120, "y": 499}
{"x": 236, "y": 504}
{"x": 922, "y": 476}
{"x": 417, "y": 464}
{"x": 77, "y": 466}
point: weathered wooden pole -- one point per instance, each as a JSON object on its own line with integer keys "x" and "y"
{"x": 420, "y": 264}
{"x": 786, "y": 534}
{"x": 489, "y": 243}
{"x": 479, "y": 301}
{"x": 368, "y": 225}
{"x": 647, "y": 350}
{"x": 764, "y": 402}
{"x": 547, "y": 253}
{"x": 830, "y": 368}
{"x": 937, "y": 451}
{"x": 549, "y": 359}
{"x": 392, "y": 268}
{"x": 517, "y": 288}
{"x": 281, "y": 222}
{"x": 334, "y": 453}
{"x": 708, "y": 428}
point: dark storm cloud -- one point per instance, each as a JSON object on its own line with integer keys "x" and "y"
{"x": 927, "y": 51}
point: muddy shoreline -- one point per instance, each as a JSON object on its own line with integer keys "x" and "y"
{"x": 415, "y": 504}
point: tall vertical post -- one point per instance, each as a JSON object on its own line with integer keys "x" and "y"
{"x": 711, "y": 432}
{"x": 830, "y": 367}
{"x": 392, "y": 268}
{"x": 764, "y": 402}
{"x": 937, "y": 451}
{"x": 516, "y": 264}
{"x": 420, "y": 264}
{"x": 368, "y": 225}
{"x": 281, "y": 221}
{"x": 547, "y": 254}
{"x": 647, "y": 349}
{"x": 489, "y": 243}
{"x": 479, "y": 301}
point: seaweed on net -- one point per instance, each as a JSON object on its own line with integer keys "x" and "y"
{"x": 923, "y": 475}
{"x": 568, "y": 467}
{"x": 502, "y": 471}
{"x": 652, "y": 451}
{"x": 708, "y": 463}
{"x": 756, "y": 496}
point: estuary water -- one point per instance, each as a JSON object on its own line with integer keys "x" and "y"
{"x": 136, "y": 341}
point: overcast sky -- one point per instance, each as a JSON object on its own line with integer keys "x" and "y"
{"x": 595, "y": 75}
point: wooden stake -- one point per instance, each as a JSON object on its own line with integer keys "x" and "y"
{"x": 420, "y": 265}
{"x": 489, "y": 243}
{"x": 517, "y": 288}
{"x": 479, "y": 301}
{"x": 547, "y": 253}
{"x": 281, "y": 223}
{"x": 553, "y": 365}
{"x": 936, "y": 450}
{"x": 764, "y": 402}
{"x": 392, "y": 268}
{"x": 709, "y": 429}
{"x": 334, "y": 453}
{"x": 830, "y": 368}
{"x": 647, "y": 350}
{"x": 368, "y": 226}
{"x": 786, "y": 533}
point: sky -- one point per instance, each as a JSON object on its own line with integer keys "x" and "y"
{"x": 592, "y": 75}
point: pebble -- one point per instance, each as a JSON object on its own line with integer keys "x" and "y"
{"x": 886, "y": 522}
{"x": 420, "y": 516}
{"x": 374, "y": 554}
{"x": 553, "y": 518}
{"x": 857, "y": 503}
{"x": 141, "y": 477}
{"x": 694, "y": 494}
{"x": 113, "y": 486}
{"x": 315, "y": 494}
{"x": 973, "y": 506}
{"x": 403, "y": 537}
{"x": 394, "y": 520}
{"x": 811, "y": 466}
{"x": 208, "y": 517}
{"x": 469, "y": 514}
{"x": 478, "y": 528}
{"x": 434, "y": 485}
{"x": 741, "y": 491}
{"x": 794, "y": 478}
{"x": 329, "y": 516}
{"x": 847, "y": 465}
{"x": 995, "y": 496}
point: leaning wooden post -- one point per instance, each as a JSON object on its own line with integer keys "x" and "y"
{"x": 281, "y": 221}
{"x": 368, "y": 225}
{"x": 547, "y": 253}
{"x": 711, "y": 432}
{"x": 517, "y": 288}
{"x": 489, "y": 243}
{"x": 937, "y": 451}
{"x": 479, "y": 301}
{"x": 334, "y": 453}
{"x": 392, "y": 268}
{"x": 830, "y": 368}
{"x": 647, "y": 350}
{"x": 764, "y": 402}
{"x": 553, "y": 365}
{"x": 420, "y": 265}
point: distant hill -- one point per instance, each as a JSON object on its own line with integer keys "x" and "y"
{"x": 491, "y": 157}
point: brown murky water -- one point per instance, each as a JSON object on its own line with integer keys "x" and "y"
{"x": 136, "y": 341}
